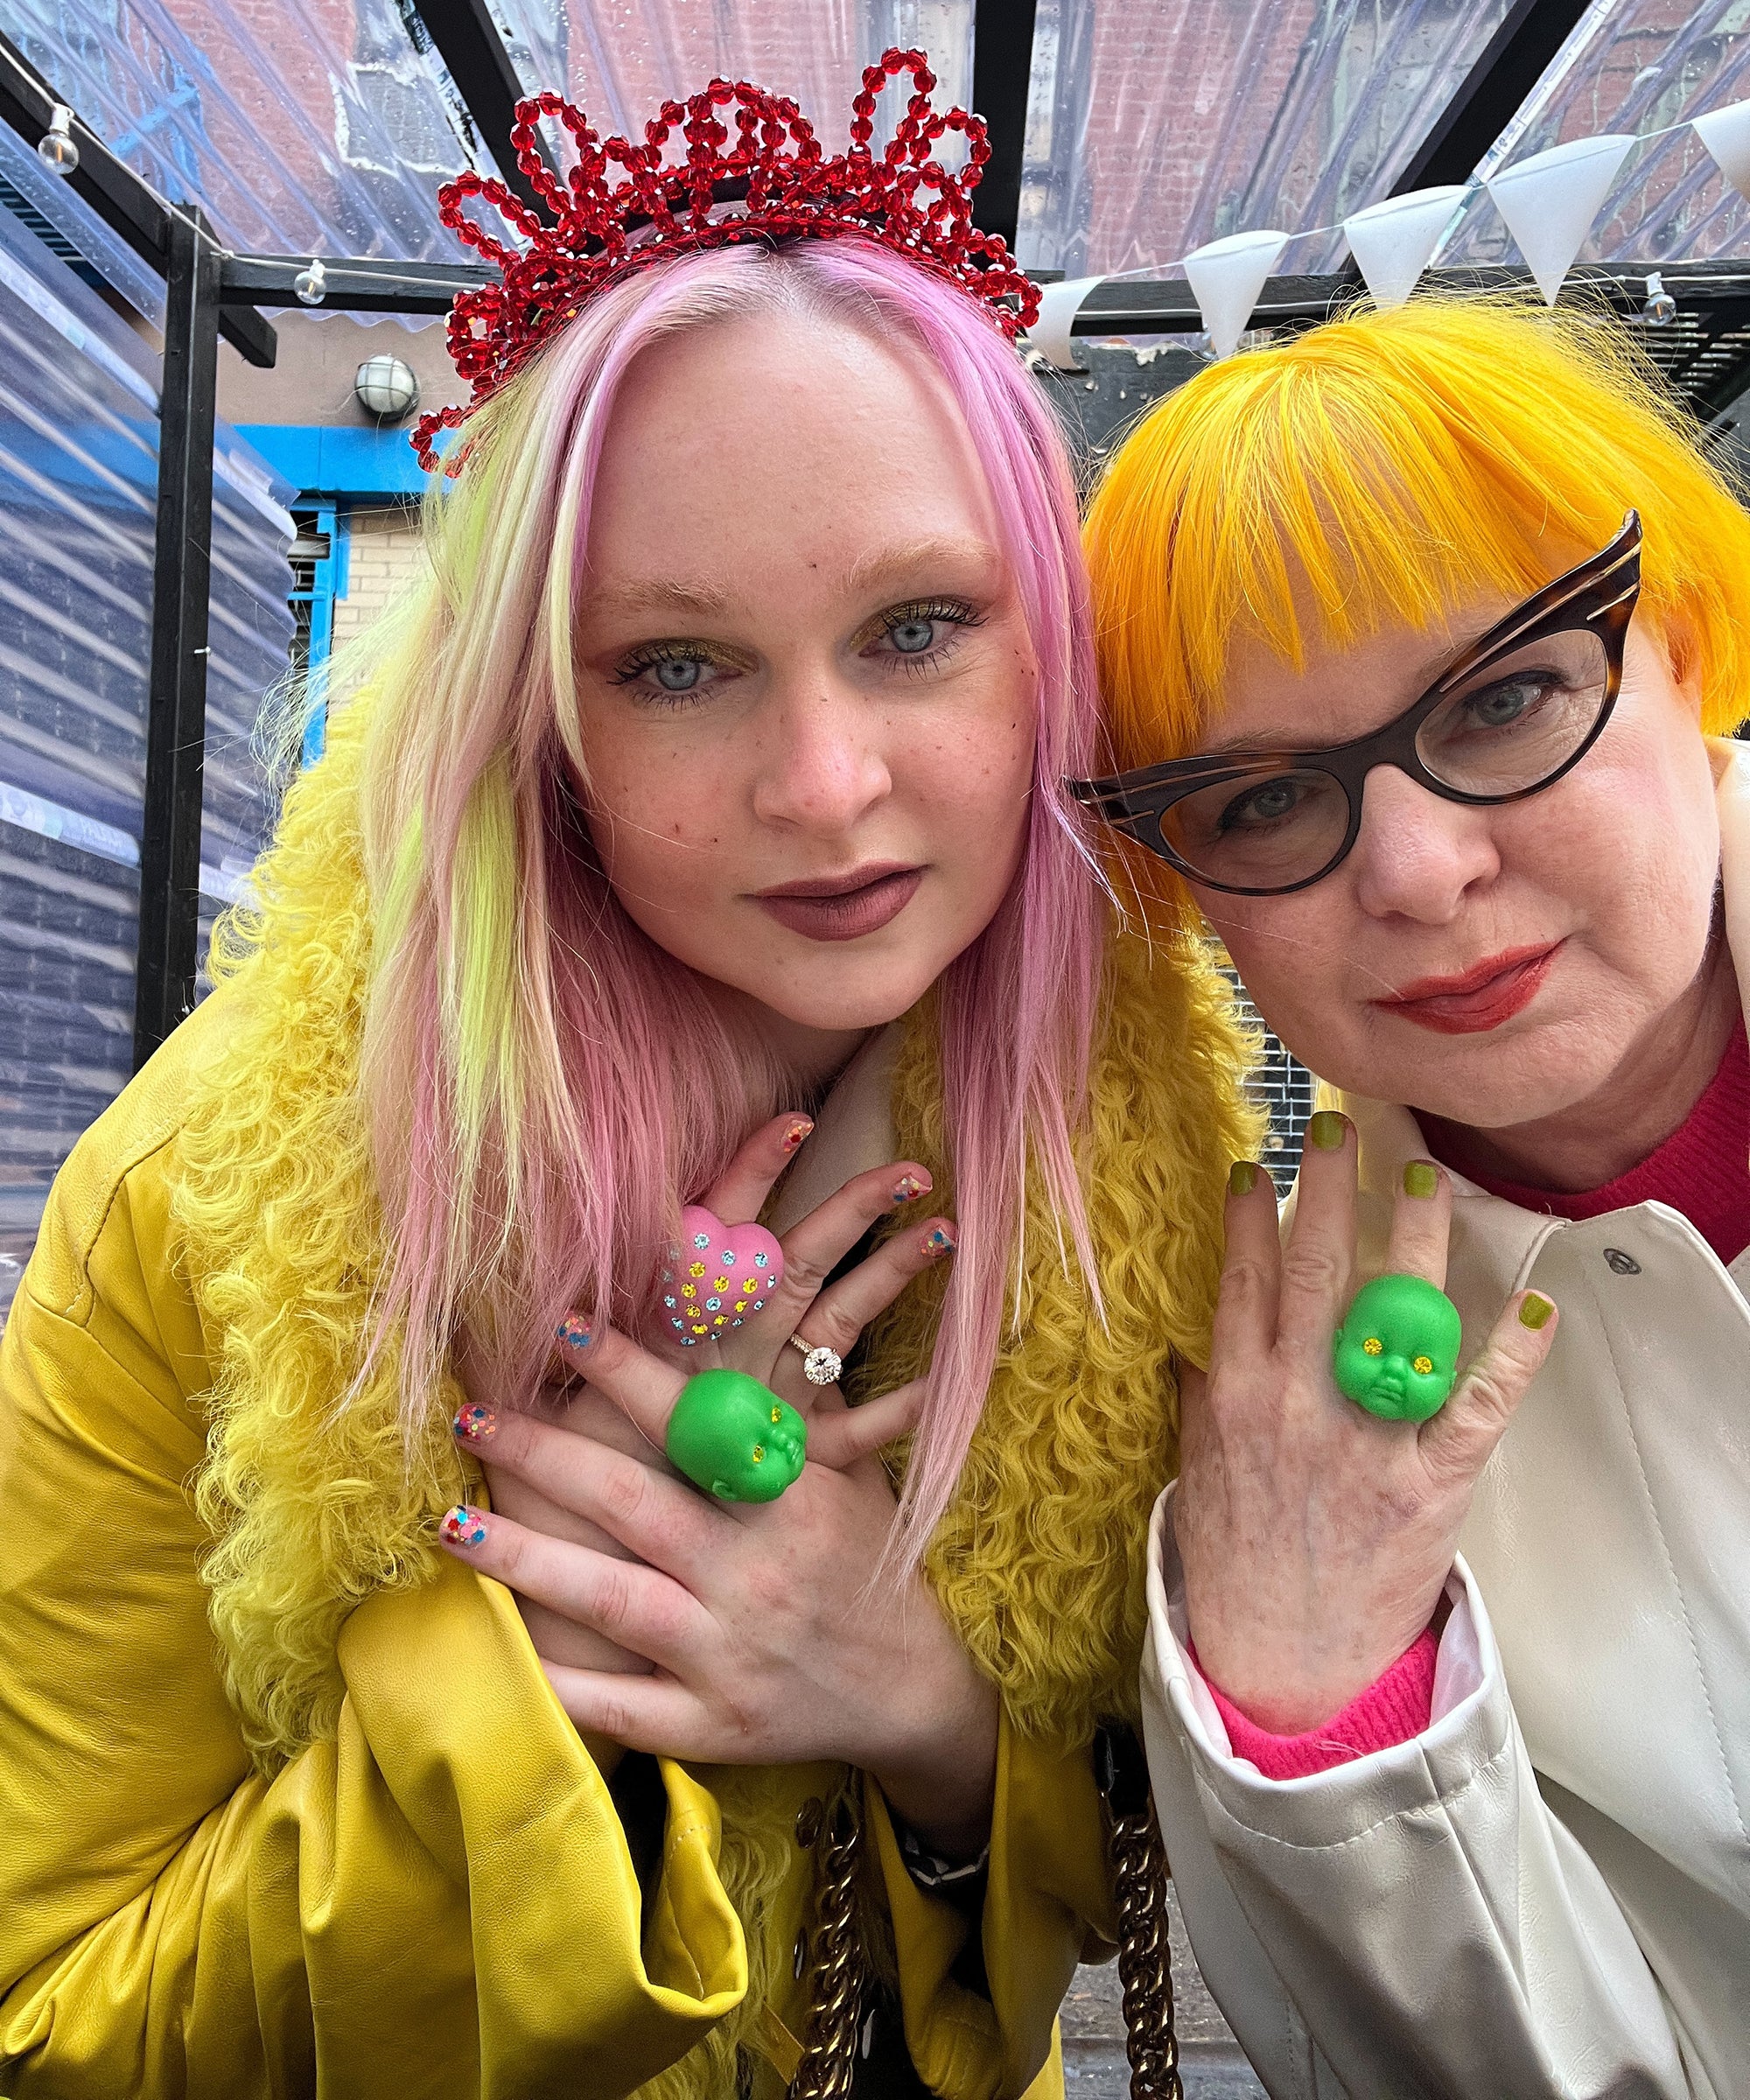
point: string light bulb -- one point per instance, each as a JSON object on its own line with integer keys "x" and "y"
{"x": 1661, "y": 309}
{"x": 311, "y": 282}
{"x": 56, "y": 149}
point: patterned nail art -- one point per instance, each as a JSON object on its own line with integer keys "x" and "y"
{"x": 798, "y": 1131}
{"x": 907, "y": 1189}
{"x": 575, "y": 1331}
{"x": 462, "y": 1527}
{"x": 474, "y": 1423}
{"x": 939, "y": 1241}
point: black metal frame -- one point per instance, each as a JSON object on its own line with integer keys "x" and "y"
{"x": 1001, "y": 68}
{"x": 1506, "y": 69}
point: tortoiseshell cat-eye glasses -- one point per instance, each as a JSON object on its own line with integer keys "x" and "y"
{"x": 1511, "y": 714}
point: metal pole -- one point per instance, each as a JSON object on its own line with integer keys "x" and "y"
{"x": 176, "y": 727}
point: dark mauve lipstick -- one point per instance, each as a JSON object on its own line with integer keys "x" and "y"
{"x": 1480, "y": 998}
{"x": 845, "y": 906}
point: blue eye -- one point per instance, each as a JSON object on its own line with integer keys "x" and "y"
{"x": 918, "y": 634}
{"x": 672, "y": 670}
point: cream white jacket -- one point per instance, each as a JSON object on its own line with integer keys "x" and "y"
{"x": 1547, "y": 1893}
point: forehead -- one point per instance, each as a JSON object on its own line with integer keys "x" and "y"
{"x": 1337, "y": 689}
{"x": 779, "y": 438}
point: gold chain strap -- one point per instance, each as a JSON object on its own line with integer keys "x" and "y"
{"x": 830, "y": 2048}
{"x": 1139, "y": 1870}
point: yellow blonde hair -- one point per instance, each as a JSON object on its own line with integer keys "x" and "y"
{"x": 1387, "y": 466}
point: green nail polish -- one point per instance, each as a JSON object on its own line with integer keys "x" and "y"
{"x": 1421, "y": 1178}
{"x": 1536, "y": 1312}
{"x": 1327, "y": 1130}
{"x": 1242, "y": 1178}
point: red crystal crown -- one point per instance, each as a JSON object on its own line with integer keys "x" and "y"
{"x": 775, "y": 181}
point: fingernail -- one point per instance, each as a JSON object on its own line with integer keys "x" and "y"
{"x": 798, "y": 1131}
{"x": 1536, "y": 1312}
{"x": 908, "y": 1188}
{"x": 939, "y": 1241}
{"x": 1243, "y": 1178}
{"x": 1327, "y": 1130}
{"x": 474, "y": 1423}
{"x": 463, "y": 1527}
{"x": 1421, "y": 1178}
{"x": 574, "y": 1331}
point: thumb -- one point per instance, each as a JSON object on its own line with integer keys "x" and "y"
{"x": 1457, "y": 1441}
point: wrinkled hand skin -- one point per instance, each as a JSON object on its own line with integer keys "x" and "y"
{"x": 734, "y": 1437}
{"x": 1407, "y": 1318}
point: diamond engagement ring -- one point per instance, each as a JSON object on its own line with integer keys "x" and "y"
{"x": 821, "y": 1366}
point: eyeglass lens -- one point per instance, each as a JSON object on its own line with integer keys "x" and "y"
{"x": 1511, "y": 725}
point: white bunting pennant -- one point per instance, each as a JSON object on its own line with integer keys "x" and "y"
{"x": 1726, "y": 133}
{"x": 1059, "y": 305}
{"x": 1227, "y": 276}
{"x": 1391, "y": 242}
{"x": 1551, "y": 200}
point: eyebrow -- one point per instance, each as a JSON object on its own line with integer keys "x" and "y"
{"x": 1430, "y": 674}
{"x": 863, "y": 577}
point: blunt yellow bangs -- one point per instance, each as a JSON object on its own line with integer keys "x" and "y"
{"x": 1388, "y": 466}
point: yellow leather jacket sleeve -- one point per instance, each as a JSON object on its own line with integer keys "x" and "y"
{"x": 1048, "y": 1906}
{"x": 440, "y": 1900}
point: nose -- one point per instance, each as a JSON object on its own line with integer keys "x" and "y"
{"x": 1417, "y": 855}
{"x": 822, "y": 766}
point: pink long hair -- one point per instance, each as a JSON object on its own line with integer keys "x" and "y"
{"x": 545, "y": 1085}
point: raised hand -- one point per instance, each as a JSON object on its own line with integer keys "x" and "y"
{"x": 1316, "y": 1538}
{"x": 773, "y": 1633}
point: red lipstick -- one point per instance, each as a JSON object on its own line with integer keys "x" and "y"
{"x": 843, "y": 907}
{"x": 1480, "y": 998}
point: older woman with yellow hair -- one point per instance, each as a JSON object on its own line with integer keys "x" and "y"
{"x": 1420, "y": 636}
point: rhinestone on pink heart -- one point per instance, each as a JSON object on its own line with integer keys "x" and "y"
{"x": 729, "y": 1272}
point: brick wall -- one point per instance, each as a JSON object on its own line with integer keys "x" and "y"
{"x": 385, "y": 552}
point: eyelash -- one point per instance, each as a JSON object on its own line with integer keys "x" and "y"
{"x": 956, "y": 612}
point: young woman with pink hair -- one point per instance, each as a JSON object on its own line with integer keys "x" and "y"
{"x": 379, "y": 1710}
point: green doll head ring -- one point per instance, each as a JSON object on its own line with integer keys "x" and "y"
{"x": 1396, "y": 1353}
{"x": 735, "y": 1438}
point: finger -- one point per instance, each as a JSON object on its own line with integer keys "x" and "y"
{"x": 739, "y": 1192}
{"x": 641, "y": 1505}
{"x": 1457, "y": 1442}
{"x": 838, "y": 1317}
{"x": 1421, "y": 1220}
{"x": 1245, "y": 1312}
{"x": 637, "y": 1607}
{"x": 841, "y": 1436}
{"x": 1318, "y": 1262}
{"x": 654, "y": 1714}
{"x": 641, "y": 1385}
{"x": 815, "y": 1247}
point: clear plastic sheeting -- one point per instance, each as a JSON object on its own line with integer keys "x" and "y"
{"x": 1152, "y": 129}
{"x": 619, "y": 59}
{"x": 78, "y": 475}
{"x": 1635, "y": 65}
{"x": 308, "y": 127}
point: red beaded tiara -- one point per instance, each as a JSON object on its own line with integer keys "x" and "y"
{"x": 773, "y": 184}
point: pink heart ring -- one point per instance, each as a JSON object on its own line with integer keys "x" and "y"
{"x": 718, "y": 1277}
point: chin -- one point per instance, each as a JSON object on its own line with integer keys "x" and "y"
{"x": 1501, "y": 1085}
{"x": 845, "y": 1006}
